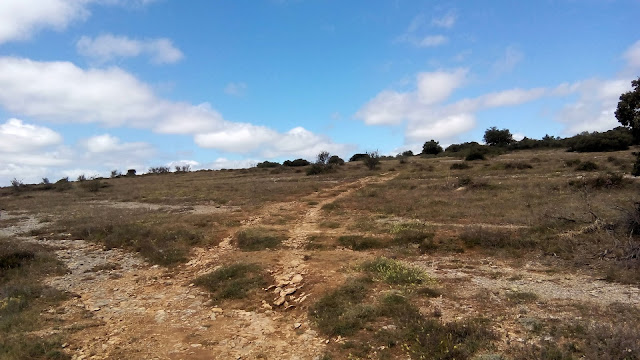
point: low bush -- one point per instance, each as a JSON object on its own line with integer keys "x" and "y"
{"x": 459, "y": 166}
{"x": 336, "y": 160}
{"x": 341, "y": 312}
{"x": 233, "y": 281}
{"x": 372, "y": 160}
{"x": 487, "y": 238}
{"x": 267, "y": 164}
{"x": 587, "y": 166}
{"x": 519, "y": 165}
{"x": 394, "y": 272}
{"x": 296, "y": 162}
{"x": 63, "y": 184}
{"x": 358, "y": 242}
{"x": 159, "y": 170}
{"x": 255, "y": 239}
{"x": 474, "y": 155}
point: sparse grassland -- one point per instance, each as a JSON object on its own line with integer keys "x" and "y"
{"x": 521, "y": 255}
{"x": 23, "y": 297}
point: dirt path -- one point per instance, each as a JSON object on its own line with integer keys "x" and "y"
{"x": 125, "y": 308}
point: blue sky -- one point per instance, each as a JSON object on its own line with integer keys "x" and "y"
{"x": 94, "y": 85}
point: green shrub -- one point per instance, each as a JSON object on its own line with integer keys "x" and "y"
{"x": 341, "y": 311}
{"x": 431, "y": 148}
{"x": 256, "y": 239}
{"x": 617, "y": 139}
{"x": 267, "y": 164}
{"x": 336, "y": 160}
{"x": 296, "y": 162}
{"x": 233, "y": 281}
{"x": 475, "y": 155}
{"x": 587, "y": 166}
{"x": 395, "y": 272}
{"x": 372, "y": 160}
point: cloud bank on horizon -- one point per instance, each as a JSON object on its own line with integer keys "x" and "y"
{"x": 95, "y": 85}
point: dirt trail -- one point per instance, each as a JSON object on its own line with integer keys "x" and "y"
{"x": 125, "y": 308}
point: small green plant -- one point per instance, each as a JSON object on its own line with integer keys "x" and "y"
{"x": 395, "y": 272}
{"x": 341, "y": 311}
{"x": 255, "y": 239}
{"x": 233, "y": 281}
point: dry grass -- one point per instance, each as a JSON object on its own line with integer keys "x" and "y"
{"x": 513, "y": 208}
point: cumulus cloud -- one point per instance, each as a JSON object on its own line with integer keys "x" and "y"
{"x": 247, "y": 138}
{"x": 594, "y": 110}
{"x": 27, "y": 151}
{"x": 426, "y": 111}
{"x": 21, "y": 19}
{"x": 63, "y": 92}
{"x": 238, "y": 89}
{"x": 18, "y": 137}
{"x": 107, "y": 47}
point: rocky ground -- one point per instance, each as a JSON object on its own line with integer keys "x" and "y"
{"x": 123, "y": 307}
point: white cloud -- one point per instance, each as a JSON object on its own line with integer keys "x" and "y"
{"x": 21, "y": 19}
{"x": 63, "y": 92}
{"x": 435, "y": 87}
{"x": 425, "y": 109}
{"x": 446, "y": 21}
{"x": 240, "y": 138}
{"x": 238, "y": 89}
{"x": 632, "y": 55}
{"x": 17, "y": 137}
{"x": 247, "y": 138}
{"x": 28, "y": 151}
{"x": 594, "y": 110}
{"x": 107, "y": 47}
{"x": 433, "y": 40}
{"x": 508, "y": 61}
{"x": 224, "y": 163}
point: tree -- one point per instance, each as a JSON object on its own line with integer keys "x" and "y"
{"x": 495, "y": 137}
{"x": 628, "y": 111}
{"x": 407, "y": 153}
{"x": 431, "y": 148}
{"x": 323, "y": 158}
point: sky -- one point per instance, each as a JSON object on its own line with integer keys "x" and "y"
{"x": 90, "y": 86}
